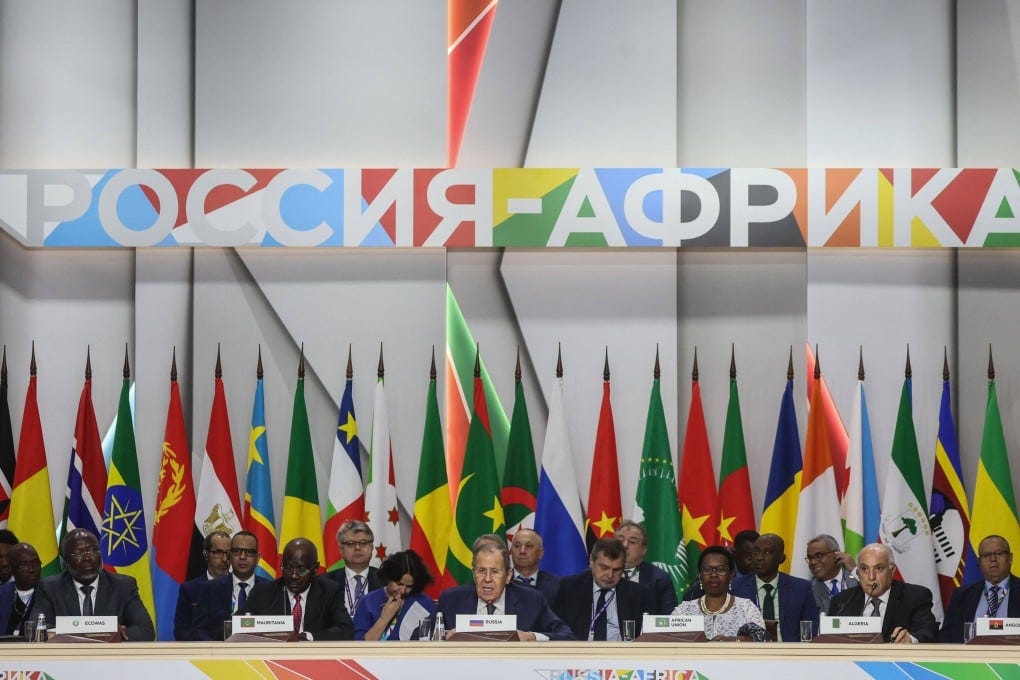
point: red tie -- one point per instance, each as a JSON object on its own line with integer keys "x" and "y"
{"x": 297, "y": 613}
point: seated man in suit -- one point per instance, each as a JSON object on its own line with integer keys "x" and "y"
{"x": 526, "y": 551}
{"x": 781, "y": 597}
{"x": 997, "y": 594}
{"x": 227, "y": 594}
{"x": 356, "y": 579}
{"x": 17, "y": 597}
{"x": 85, "y": 589}
{"x": 216, "y": 553}
{"x": 831, "y": 569}
{"x": 595, "y": 602}
{"x": 316, "y": 603}
{"x": 660, "y": 594}
{"x": 492, "y": 594}
{"x": 905, "y": 608}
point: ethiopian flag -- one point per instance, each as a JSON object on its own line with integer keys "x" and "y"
{"x": 301, "y": 515}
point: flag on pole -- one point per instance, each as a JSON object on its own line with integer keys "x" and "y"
{"x": 302, "y": 517}
{"x": 904, "y": 525}
{"x": 259, "y": 517}
{"x": 779, "y": 515}
{"x": 123, "y": 541}
{"x": 605, "y": 509}
{"x": 175, "y": 516}
{"x": 478, "y": 510}
{"x": 6, "y": 447}
{"x": 559, "y": 517}
{"x": 345, "y": 499}
{"x": 467, "y": 34}
{"x": 381, "y": 486}
{"x": 736, "y": 509}
{"x": 995, "y": 510}
{"x": 860, "y": 507}
{"x": 519, "y": 494}
{"x": 838, "y": 437}
{"x": 818, "y": 504}
{"x": 86, "y": 474}
{"x": 430, "y": 530}
{"x": 696, "y": 491}
{"x": 950, "y": 516}
{"x": 460, "y": 357}
{"x": 218, "y": 505}
{"x": 655, "y": 504}
{"x": 31, "y": 517}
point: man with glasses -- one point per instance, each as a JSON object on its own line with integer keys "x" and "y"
{"x": 356, "y": 578}
{"x": 595, "y": 602}
{"x": 492, "y": 594}
{"x": 996, "y": 594}
{"x": 216, "y": 553}
{"x": 660, "y": 594}
{"x": 780, "y": 597}
{"x": 831, "y": 569}
{"x": 905, "y": 608}
{"x": 227, "y": 594}
{"x": 17, "y": 596}
{"x": 85, "y": 589}
{"x": 315, "y": 603}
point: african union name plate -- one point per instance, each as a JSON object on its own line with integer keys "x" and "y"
{"x": 688, "y": 623}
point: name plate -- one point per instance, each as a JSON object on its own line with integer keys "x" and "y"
{"x": 484, "y": 623}
{"x": 843, "y": 625}
{"x": 687, "y": 623}
{"x": 281, "y": 623}
{"x": 996, "y": 626}
{"x": 77, "y": 625}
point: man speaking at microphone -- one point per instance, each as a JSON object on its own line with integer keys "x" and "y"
{"x": 905, "y": 608}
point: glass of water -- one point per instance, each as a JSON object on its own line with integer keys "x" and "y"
{"x": 806, "y": 631}
{"x": 968, "y": 631}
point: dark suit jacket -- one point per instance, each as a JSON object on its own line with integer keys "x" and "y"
{"x": 963, "y": 605}
{"x": 547, "y": 582}
{"x": 795, "y": 599}
{"x": 8, "y": 594}
{"x": 117, "y": 595}
{"x": 909, "y": 607}
{"x": 326, "y": 618}
{"x": 213, "y": 604}
{"x": 339, "y": 576}
{"x": 660, "y": 595}
{"x": 820, "y": 589}
{"x": 187, "y": 605}
{"x": 573, "y": 603}
{"x": 529, "y": 605}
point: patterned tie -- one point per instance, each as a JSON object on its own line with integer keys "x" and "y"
{"x": 359, "y": 587}
{"x": 768, "y": 610}
{"x": 993, "y": 600}
{"x": 600, "y": 615}
{"x": 490, "y": 608}
{"x": 242, "y": 596}
{"x": 525, "y": 580}
{"x": 297, "y": 612}
{"x": 86, "y": 606}
{"x": 834, "y": 588}
{"x": 874, "y": 606}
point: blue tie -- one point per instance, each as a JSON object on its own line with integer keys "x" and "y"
{"x": 834, "y": 589}
{"x": 242, "y": 596}
{"x": 525, "y": 580}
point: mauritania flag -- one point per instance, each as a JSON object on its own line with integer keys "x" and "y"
{"x": 904, "y": 526}
{"x": 124, "y": 542}
{"x": 995, "y": 510}
{"x": 519, "y": 494}
{"x": 656, "y": 503}
{"x": 259, "y": 517}
{"x": 345, "y": 499}
{"x": 86, "y": 474}
{"x": 31, "y": 517}
{"x": 559, "y": 518}
{"x": 860, "y": 508}
{"x": 302, "y": 517}
{"x": 782, "y": 494}
{"x": 172, "y": 564}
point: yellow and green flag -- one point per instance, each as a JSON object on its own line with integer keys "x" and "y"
{"x": 301, "y": 515}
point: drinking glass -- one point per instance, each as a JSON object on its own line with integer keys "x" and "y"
{"x": 30, "y": 629}
{"x": 627, "y": 631}
{"x": 968, "y": 631}
{"x": 806, "y": 631}
{"x": 425, "y": 630}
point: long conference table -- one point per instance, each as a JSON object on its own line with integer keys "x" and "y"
{"x": 495, "y": 661}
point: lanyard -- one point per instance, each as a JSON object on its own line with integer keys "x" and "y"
{"x": 600, "y": 612}
{"x": 354, "y": 600}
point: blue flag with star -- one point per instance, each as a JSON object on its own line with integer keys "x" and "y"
{"x": 124, "y": 542}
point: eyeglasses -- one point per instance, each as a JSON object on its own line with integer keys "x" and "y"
{"x": 250, "y": 552}
{"x": 356, "y": 544}
{"x": 817, "y": 557}
{"x": 218, "y": 553}
{"x": 997, "y": 555}
{"x": 296, "y": 569}
{"x": 715, "y": 571}
{"x": 82, "y": 554}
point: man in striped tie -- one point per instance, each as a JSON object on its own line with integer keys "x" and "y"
{"x": 996, "y": 594}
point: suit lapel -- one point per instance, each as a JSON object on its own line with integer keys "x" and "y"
{"x": 70, "y": 594}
